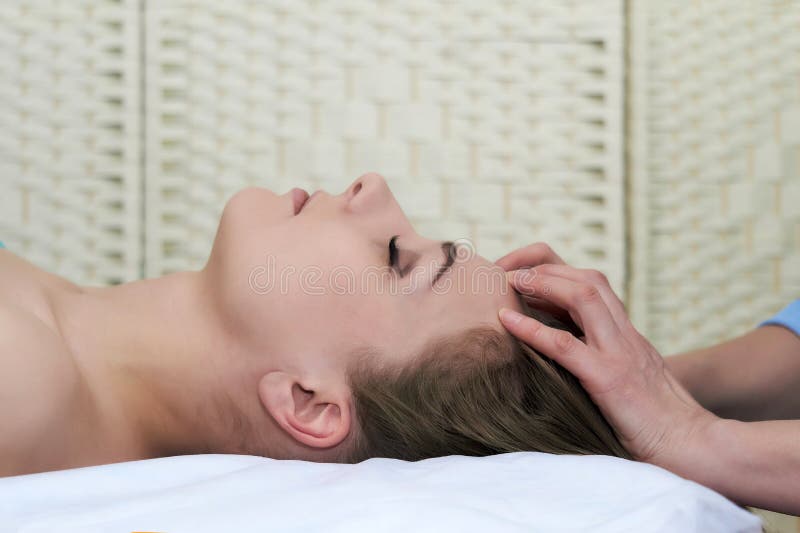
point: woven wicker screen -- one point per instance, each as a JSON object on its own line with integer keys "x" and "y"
{"x": 715, "y": 139}
{"x": 496, "y": 121}
{"x": 127, "y": 124}
{"x": 69, "y": 137}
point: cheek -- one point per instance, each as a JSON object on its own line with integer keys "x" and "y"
{"x": 347, "y": 321}
{"x": 325, "y": 331}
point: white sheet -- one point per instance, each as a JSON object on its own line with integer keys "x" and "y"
{"x": 511, "y": 492}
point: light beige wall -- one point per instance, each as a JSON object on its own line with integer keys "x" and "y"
{"x": 500, "y": 122}
{"x": 125, "y": 127}
{"x": 714, "y": 192}
{"x": 70, "y": 115}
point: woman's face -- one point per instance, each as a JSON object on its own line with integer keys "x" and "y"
{"x": 309, "y": 288}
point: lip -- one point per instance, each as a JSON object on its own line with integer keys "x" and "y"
{"x": 299, "y": 199}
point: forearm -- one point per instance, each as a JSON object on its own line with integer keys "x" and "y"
{"x": 751, "y": 463}
{"x": 752, "y": 377}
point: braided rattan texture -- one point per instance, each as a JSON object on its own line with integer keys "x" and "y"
{"x": 716, "y": 166}
{"x": 69, "y": 137}
{"x": 496, "y": 121}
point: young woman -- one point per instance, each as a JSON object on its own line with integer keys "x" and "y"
{"x": 321, "y": 328}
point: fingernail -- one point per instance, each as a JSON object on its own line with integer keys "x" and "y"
{"x": 515, "y": 277}
{"x": 525, "y": 275}
{"x": 509, "y": 316}
{"x": 522, "y": 280}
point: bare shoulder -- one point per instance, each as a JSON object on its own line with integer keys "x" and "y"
{"x": 19, "y": 277}
{"x": 39, "y": 382}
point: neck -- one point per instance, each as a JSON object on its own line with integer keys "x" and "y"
{"x": 158, "y": 363}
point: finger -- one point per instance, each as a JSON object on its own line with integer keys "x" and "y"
{"x": 582, "y": 300}
{"x": 559, "y": 345}
{"x": 596, "y": 278}
{"x": 527, "y": 256}
{"x": 549, "y": 314}
{"x": 547, "y": 307}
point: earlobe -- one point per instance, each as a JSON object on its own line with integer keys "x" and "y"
{"x": 318, "y": 418}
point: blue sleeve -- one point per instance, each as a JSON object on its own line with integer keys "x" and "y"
{"x": 788, "y": 317}
{"x": 2, "y": 245}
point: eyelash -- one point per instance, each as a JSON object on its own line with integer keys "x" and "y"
{"x": 393, "y": 251}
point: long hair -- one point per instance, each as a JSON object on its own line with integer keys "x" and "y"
{"x": 481, "y": 392}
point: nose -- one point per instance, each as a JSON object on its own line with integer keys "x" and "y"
{"x": 369, "y": 189}
{"x": 370, "y": 198}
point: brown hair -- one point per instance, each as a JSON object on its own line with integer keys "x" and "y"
{"x": 478, "y": 393}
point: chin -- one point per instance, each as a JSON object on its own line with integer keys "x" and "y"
{"x": 245, "y": 220}
{"x": 256, "y": 206}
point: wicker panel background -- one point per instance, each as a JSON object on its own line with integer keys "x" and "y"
{"x": 715, "y": 144}
{"x": 496, "y": 121}
{"x": 69, "y": 137}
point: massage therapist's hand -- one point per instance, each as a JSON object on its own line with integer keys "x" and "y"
{"x": 752, "y": 463}
{"x": 532, "y": 255}
{"x": 654, "y": 416}
{"x": 538, "y": 253}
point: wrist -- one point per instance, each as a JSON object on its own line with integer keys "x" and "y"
{"x": 693, "y": 444}
{"x": 708, "y": 454}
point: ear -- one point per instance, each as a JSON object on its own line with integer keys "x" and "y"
{"x": 318, "y": 418}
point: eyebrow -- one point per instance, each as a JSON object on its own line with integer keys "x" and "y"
{"x": 449, "y": 256}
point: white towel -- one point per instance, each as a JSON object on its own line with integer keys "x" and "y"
{"x": 515, "y": 492}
